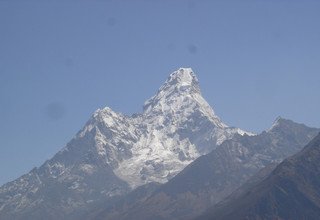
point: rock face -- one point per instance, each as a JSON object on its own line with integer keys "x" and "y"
{"x": 113, "y": 154}
{"x": 216, "y": 175}
{"x": 291, "y": 191}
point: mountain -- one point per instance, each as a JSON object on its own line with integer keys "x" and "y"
{"x": 291, "y": 191}
{"x": 214, "y": 176}
{"x": 114, "y": 154}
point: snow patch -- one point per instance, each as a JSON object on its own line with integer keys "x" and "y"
{"x": 87, "y": 168}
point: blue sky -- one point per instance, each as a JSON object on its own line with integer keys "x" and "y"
{"x": 61, "y": 60}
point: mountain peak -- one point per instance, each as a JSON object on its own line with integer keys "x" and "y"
{"x": 277, "y": 122}
{"x": 282, "y": 124}
{"x": 182, "y": 80}
{"x": 181, "y": 83}
{"x": 183, "y": 76}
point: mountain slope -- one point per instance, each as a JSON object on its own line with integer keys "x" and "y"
{"x": 291, "y": 191}
{"x": 214, "y": 176}
{"x": 114, "y": 154}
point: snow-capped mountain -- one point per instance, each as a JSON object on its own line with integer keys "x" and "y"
{"x": 176, "y": 126}
{"x": 114, "y": 153}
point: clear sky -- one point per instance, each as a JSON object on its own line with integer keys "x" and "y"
{"x": 61, "y": 60}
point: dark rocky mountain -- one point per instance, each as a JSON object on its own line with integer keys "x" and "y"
{"x": 214, "y": 176}
{"x": 291, "y": 191}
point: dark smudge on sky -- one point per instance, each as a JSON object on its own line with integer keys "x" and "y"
{"x": 55, "y": 111}
{"x": 69, "y": 62}
{"x": 111, "y": 21}
{"x": 171, "y": 46}
{"x": 193, "y": 49}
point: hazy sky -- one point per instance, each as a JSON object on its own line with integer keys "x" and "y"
{"x": 61, "y": 60}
